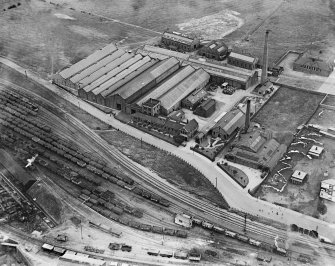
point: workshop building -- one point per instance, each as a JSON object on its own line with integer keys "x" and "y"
{"x": 177, "y": 41}
{"x": 206, "y": 108}
{"x": 242, "y": 61}
{"x": 171, "y": 100}
{"x": 237, "y": 77}
{"x": 151, "y": 107}
{"x": 192, "y": 101}
{"x": 214, "y": 50}
{"x": 312, "y": 65}
{"x": 231, "y": 122}
{"x": 183, "y": 221}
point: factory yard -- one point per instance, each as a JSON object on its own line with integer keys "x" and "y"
{"x": 286, "y": 110}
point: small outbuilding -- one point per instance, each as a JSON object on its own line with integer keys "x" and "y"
{"x": 316, "y": 151}
{"x": 183, "y": 221}
{"x": 298, "y": 177}
{"x": 206, "y": 108}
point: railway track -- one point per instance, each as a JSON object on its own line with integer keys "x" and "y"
{"x": 209, "y": 211}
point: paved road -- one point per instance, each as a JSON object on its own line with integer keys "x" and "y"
{"x": 234, "y": 194}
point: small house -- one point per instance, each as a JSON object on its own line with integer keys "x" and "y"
{"x": 298, "y": 177}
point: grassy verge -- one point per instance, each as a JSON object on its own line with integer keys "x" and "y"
{"x": 169, "y": 167}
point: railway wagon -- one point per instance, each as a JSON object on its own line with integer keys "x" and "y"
{"x": 207, "y": 225}
{"x": 125, "y": 247}
{"x": 280, "y": 251}
{"x": 219, "y": 229}
{"x": 181, "y": 255}
{"x": 166, "y": 254}
{"x": 194, "y": 256}
{"x": 153, "y": 252}
{"x": 242, "y": 238}
{"x": 255, "y": 242}
{"x": 230, "y": 233}
{"x": 180, "y": 233}
{"x": 157, "y": 229}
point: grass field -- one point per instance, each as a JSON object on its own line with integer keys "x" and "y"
{"x": 169, "y": 167}
{"x": 286, "y": 110}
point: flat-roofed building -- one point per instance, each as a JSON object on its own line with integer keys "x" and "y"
{"x": 315, "y": 151}
{"x": 228, "y": 124}
{"x": 242, "y": 61}
{"x": 214, "y": 50}
{"x": 143, "y": 83}
{"x": 236, "y": 77}
{"x": 183, "y": 221}
{"x": 62, "y": 79}
{"x": 327, "y": 190}
{"x": 151, "y": 107}
{"x": 192, "y": 101}
{"x": 298, "y": 177}
{"x": 171, "y": 100}
{"x": 178, "y": 41}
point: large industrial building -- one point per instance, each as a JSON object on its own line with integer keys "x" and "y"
{"x": 236, "y": 77}
{"x": 177, "y": 41}
{"x": 242, "y": 61}
{"x": 214, "y": 50}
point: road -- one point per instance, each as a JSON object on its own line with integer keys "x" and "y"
{"x": 236, "y": 197}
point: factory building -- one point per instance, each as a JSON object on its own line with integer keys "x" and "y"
{"x": 151, "y": 107}
{"x": 231, "y": 122}
{"x": 62, "y": 79}
{"x": 238, "y": 78}
{"x": 167, "y": 85}
{"x": 312, "y": 65}
{"x": 141, "y": 85}
{"x": 192, "y": 101}
{"x": 178, "y": 41}
{"x": 161, "y": 53}
{"x": 171, "y": 100}
{"x": 257, "y": 150}
{"x": 214, "y": 50}
{"x": 328, "y": 189}
{"x": 206, "y": 108}
{"x": 242, "y": 61}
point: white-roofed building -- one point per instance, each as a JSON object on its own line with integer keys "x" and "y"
{"x": 165, "y": 52}
{"x": 327, "y": 190}
{"x": 242, "y": 61}
{"x": 183, "y": 221}
{"x": 315, "y": 151}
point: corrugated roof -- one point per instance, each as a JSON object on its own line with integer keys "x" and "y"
{"x": 105, "y": 71}
{"x": 82, "y": 259}
{"x": 168, "y": 84}
{"x": 177, "y": 37}
{"x": 131, "y": 74}
{"x": 230, "y": 121}
{"x": 179, "y": 92}
{"x": 111, "y": 73}
{"x": 242, "y": 57}
{"x": 207, "y": 104}
{"x": 91, "y": 59}
{"x": 145, "y": 78}
{"x": 196, "y": 96}
{"x": 100, "y": 64}
{"x": 121, "y": 72}
{"x": 152, "y": 55}
{"x": 158, "y": 50}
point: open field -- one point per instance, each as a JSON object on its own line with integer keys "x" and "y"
{"x": 167, "y": 166}
{"x": 286, "y": 110}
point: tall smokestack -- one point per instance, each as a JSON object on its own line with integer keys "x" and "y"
{"x": 265, "y": 59}
{"x": 247, "y": 117}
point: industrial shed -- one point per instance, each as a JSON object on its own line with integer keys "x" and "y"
{"x": 171, "y": 100}
{"x": 176, "y": 78}
{"x": 238, "y": 78}
{"x": 214, "y": 50}
{"x": 206, "y": 108}
{"x": 62, "y": 79}
{"x": 142, "y": 84}
{"x": 70, "y": 259}
{"x": 192, "y": 101}
{"x": 242, "y": 61}
{"x": 228, "y": 124}
{"x": 178, "y": 41}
